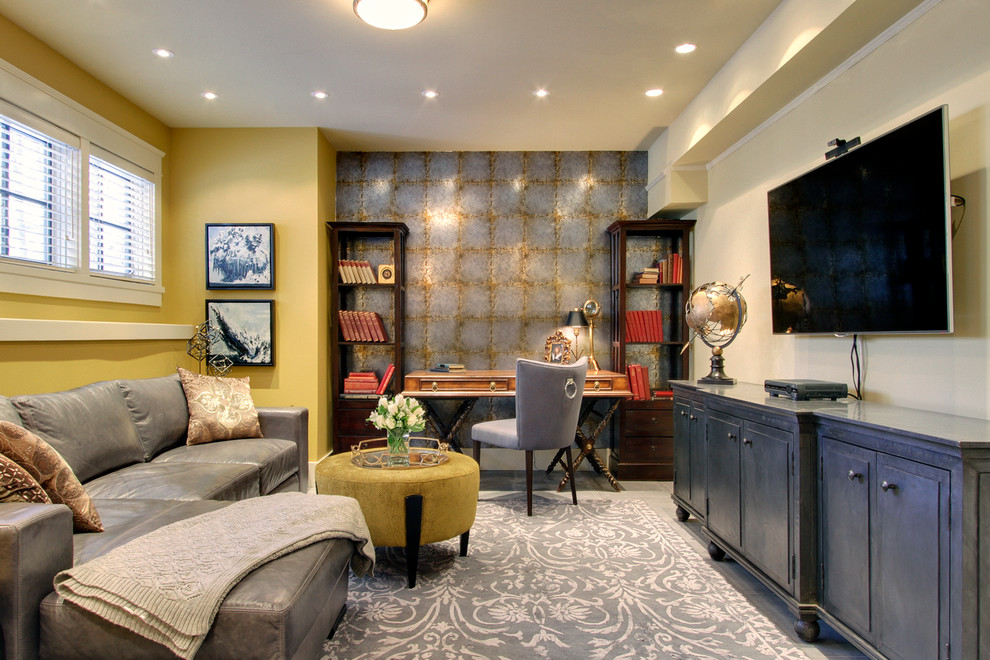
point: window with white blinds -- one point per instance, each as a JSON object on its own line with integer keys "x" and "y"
{"x": 121, "y": 222}
{"x": 39, "y": 197}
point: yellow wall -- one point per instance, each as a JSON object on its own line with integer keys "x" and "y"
{"x": 27, "y": 367}
{"x": 259, "y": 175}
{"x": 284, "y": 176}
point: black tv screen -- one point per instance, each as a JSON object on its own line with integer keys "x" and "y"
{"x": 862, "y": 243}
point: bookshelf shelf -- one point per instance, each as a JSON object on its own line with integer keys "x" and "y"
{"x": 642, "y": 434}
{"x": 375, "y": 244}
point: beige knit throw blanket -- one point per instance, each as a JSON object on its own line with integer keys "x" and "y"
{"x": 168, "y": 584}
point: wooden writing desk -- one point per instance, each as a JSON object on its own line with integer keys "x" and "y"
{"x": 469, "y": 386}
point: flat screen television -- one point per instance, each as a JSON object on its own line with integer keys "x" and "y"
{"x": 862, "y": 243}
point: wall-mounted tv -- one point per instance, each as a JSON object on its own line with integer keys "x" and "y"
{"x": 862, "y": 243}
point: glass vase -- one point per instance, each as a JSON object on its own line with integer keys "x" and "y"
{"x": 398, "y": 447}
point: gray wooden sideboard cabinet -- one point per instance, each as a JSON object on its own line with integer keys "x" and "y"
{"x": 869, "y": 516}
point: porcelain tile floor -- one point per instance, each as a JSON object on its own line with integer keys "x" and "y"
{"x": 657, "y": 495}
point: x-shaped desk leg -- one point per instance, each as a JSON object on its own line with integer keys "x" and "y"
{"x": 447, "y": 429}
{"x": 587, "y": 445}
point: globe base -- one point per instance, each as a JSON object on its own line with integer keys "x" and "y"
{"x": 717, "y": 374}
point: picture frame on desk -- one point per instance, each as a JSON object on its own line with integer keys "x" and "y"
{"x": 557, "y": 348}
{"x": 240, "y": 256}
{"x": 245, "y": 331}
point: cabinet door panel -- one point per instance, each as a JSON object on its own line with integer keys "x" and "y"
{"x": 723, "y": 477}
{"x": 845, "y": 533}
{"x": 682, "y": 450}
{"x": 764, "y": 466}
{"x": 912, "y": 546}
{"x": 699, "y": 458}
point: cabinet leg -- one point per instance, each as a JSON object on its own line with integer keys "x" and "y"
{"x": 681, "y": 513}
{"x": 715, "y": 552}
{"x": 807, "y": 629}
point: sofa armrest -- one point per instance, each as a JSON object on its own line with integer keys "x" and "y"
{"x": 289, "y": 423}
{"x": 35, "y": 543}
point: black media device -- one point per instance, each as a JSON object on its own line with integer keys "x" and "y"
{"x": 806, "y": 390}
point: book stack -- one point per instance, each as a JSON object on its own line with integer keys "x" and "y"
{"x": 356, "y": 272}
{"x": 669, "y": 270}
{"x": 448, "y": 366}
{"x": 361, "y": 382}
{"x": 644, "y": 325}
{"x": 362, "y": 326}
{"x": 639, "y": 381}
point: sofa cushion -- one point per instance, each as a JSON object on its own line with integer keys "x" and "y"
{"x": 126, "y": 519}
{"x": 219, "y": 408}
{"x": 158, "y": 410}
{"x": 178, "y": 481}
{"x": 49, "y": 469}
{"x": 17, "y": 484}
{"x": 276, "y": 460}
{"x": 89, "y": 426}
{"x": 8, "y": 412}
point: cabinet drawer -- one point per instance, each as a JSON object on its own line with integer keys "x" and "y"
{"x": 645, "y": 421}
{"x": 470, "y": 384}
{"x": 646, "y": 449}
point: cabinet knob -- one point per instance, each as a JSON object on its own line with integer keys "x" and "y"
{"x": 853, "y": 476}
{"x": 747, "y": 442}
{"x": 692, "y": 418}
{"x": 731, "y": 436}
{"x": 886, "y": 485}
{"x": 683, "y": 414}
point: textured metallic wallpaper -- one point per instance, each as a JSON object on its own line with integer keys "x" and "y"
{"x": 501, "y": 244}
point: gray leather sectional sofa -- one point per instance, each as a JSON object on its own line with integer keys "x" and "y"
{"x": 125, "y": 441}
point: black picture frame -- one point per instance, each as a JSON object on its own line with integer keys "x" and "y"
{"x": 240, "y": 255}
{"x": 246, "y": 331}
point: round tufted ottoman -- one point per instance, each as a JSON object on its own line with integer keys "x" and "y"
{"x": 408, "y": 507}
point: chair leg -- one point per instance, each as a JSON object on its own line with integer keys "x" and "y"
{"x": 570, "y": 473}
{"x": 529, "y": 483}
{"x": 477, "y": 453}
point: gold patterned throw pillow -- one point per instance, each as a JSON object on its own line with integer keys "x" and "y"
{"x": 49, "y": 469}
{"x": 219, "y": 408}
{"x": 17, "y": 484}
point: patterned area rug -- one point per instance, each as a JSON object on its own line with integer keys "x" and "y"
{"x": 605, "y": 579}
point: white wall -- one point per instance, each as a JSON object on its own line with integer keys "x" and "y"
{"x": 941, "y": 58}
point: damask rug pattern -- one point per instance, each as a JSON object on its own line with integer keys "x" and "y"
{"x": 607, "y": 579}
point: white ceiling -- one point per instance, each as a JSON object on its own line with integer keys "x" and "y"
{"x": 485, "y": 57}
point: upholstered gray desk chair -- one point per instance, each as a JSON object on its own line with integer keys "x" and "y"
{"x": 548, "y": 402}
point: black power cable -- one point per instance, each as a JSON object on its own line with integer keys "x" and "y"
{"x": 857, "y": 372}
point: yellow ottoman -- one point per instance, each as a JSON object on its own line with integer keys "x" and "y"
{"x": 408, "y": 507}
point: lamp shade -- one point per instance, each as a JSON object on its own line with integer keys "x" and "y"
{"x": 576, "y": 319}
{"x": 391, "y": 14}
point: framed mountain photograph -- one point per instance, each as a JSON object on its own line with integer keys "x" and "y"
{"x": 240, "y": 256}
{"x": 245, "y": 331}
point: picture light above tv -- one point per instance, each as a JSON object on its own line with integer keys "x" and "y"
{"x": 862, "y": 244}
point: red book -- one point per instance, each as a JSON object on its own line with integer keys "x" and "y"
{"x": 367, "y": 327}
{"x": 644, "y": 382}
{"x": 379, "y": 327}
{"x": 385, "y": 379}
{"x": 345, "y": 329}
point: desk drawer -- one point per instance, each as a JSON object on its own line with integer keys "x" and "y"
{"x": 647, "y": 421}
{"x": 441, "y": 384}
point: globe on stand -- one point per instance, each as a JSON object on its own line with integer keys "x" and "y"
{"x": 716, "y": 312}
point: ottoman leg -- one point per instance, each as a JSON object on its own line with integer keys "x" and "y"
{"x": 464, "y": 543}
{"x": 414, "y": 525}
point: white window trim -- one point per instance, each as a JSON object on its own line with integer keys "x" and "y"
{"x": 48, "y": 104}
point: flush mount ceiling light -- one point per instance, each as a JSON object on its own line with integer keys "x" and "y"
{"x": 391, "y": 14}
{"x": 163, "y": 53}
{"x": 656, "y": 91}
{"x": 684, "y": 49}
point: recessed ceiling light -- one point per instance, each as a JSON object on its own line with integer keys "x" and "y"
{"x": 320, "y": 94}
{"x": 431, "y": 93}
{"x": 209, "y": 96}
{"x": 656, "y": 91}
{"x": 542, "y": 92}
{"x": 163, "y": 53}
{"x": 684, "y": 49}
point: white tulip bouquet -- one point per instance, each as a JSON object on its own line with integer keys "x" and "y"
{"x": 398, "y": 417}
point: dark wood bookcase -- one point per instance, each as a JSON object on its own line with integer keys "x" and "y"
{"x": 642, "y": 433}
{"x": 380, "y": 243}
